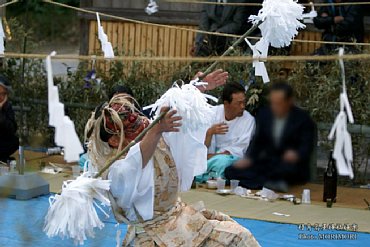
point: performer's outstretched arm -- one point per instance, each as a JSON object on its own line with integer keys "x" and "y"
{"x": 170, "y": 123}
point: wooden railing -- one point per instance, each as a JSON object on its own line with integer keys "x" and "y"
{"x": 138, "y": 40}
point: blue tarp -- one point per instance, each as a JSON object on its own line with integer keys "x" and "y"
{"x": 21, "y": 225}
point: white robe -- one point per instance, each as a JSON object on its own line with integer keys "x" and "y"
{"x": 133, "y": 186}
{"x": 238, "y": 137}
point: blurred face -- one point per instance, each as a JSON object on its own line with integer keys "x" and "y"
{"x": 236, "y": 107}
{"x": 280, "y": 105}
{"x": 3, "y": 93}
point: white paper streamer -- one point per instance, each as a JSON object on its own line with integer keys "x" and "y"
{"x": 343, "y": 153}
{"x": 280, "y": 24}
{"x": 259, "y": 51}
{"x": 152, "y": 7}
{"x": 65, "y": 133}
{"x": 191, "y": 104}
{"x": 308, "y": 17}
{"x": 72, "y": 213}
{"x": 106, "y": 46}
{"x": 2, "y": 38}
{"x": 280, "y": 21}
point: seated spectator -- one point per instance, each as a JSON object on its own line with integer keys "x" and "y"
{"x": 341, "y": 24}
{"x": 280, "y": 151}
{"x": 9, "y": 142}
{"x": 219, "y": 18}
{"x": 229, "y": 137}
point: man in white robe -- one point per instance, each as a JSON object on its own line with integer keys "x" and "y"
{"x": 232, "y": 130}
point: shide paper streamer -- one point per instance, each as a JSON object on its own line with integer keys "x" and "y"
{"x": 308, "y": 17}
{"x": 343, "y": 153}
{"x": 106, "y": 46}
{"x": 280, "y": 23}
{"x": 65, "y": 133}
{"x": 72, "y": 214}
{"x": 152, "y": 7}
{"x": 2, "y": 38}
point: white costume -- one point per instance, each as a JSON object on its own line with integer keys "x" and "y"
{"x": 134, "y": 186}
{"x": 238, "y": 137}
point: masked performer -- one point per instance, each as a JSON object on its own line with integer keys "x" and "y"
{"x": 145, "y": 183}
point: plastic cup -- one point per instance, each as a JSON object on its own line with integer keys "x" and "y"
{"x": 221, "y": 184}
{"x": 306, "y": 196}
{"x": 76, "y": 171}
{"x": 13, "y": 166}
{"x": 233, "y": 184}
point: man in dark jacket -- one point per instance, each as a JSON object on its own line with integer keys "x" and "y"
{"x": 281, "y": 148}
{"x": 340, "y": 23}
{"x": 219, "y": 18}
{"x": 8, "y": 127}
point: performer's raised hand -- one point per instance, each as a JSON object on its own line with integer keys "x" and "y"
{"x": 215, "y": 79}
{"x": 171, "y": 122}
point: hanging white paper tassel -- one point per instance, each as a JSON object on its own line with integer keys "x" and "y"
{"x": 280, "y": 21}
{"x": 106, "y": 46}
{"x": 343, "y": 153}
{"x": 259, "y": 52}
{"x": 65, "y": 133}
{"x": 280, "y": 24}
{"x": 2, "y": 38}
{"x": 72, "y": 213}
{"x": 152, "y": 7}
{"x": 191, "y": 104}
{"x": 308, "y": 18}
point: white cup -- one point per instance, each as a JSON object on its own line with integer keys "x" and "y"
{"x": 306, "y": 196}
{"x": 233, "y": 184}
{"x": 76, "y": 170}
{"x": 220, "y": 184}
{"x": 13, "y": 166}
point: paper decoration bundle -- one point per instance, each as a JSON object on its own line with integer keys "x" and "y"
{"x": 279, "y": 24}
{"x": 72, "y": 213}
{"x": 106, "y": 46}
{"x": 65, "y": 133}
{"x": 152, "y": 7}
{"x": 343, "y": 153}
{"x": 189, "y": 102}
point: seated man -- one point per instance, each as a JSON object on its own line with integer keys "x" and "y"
{"x": 219, "y": 18}
{"x": 229, "y": 137}
{"x": 9, "y": 142}
{"x": 340, "y": 23}
{"x": 281, "y": 148}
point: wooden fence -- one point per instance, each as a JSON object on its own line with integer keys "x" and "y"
{"x": 137, "y": 40}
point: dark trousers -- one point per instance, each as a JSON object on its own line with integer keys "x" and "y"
{"x": 7, "y": 148}
{"x": 212, "y": 45}
{"x": 255, "y": 176}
